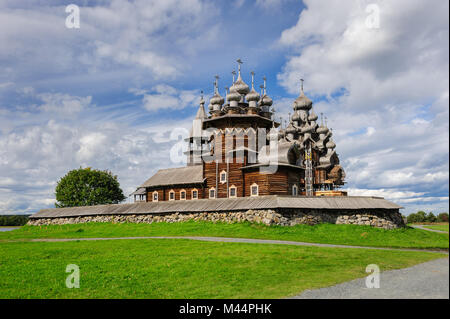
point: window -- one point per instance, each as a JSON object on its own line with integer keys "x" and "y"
{"x": 155, "y": 196}
{"x": 194, "y": 194}
{"x": 294, "y": 190}
{"x": 182, "y": 194}
{"x": 212, "y": 192}
{"x": 254, "y": 190}
{"x": 172, "y": 195}
{"x": 232, "y": 191}
{"x": 223, "y": 177}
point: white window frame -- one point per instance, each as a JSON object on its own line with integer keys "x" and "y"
{"x": 257, "y": 189}
{"x": 172, "y": 192}
{"x": 185, "y": 194}
{"x": 153, "y": 196}
{"x": 294, "y": 187}
{"x": 215, "y": 193}
{"x": 220, "y": 177}
{"x": 192, "y": 193}
{"x": 235, "y": 191}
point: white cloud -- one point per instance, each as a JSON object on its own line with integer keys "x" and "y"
{"x": 63, "y": 103}
{"x": 166, "y": 97}
{"x": 384, "y": 91}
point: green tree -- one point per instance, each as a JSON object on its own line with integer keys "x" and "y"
{"x": 431, "y": 218}
{"x": 442, "y": 218}
{"x": 88, "y": 187}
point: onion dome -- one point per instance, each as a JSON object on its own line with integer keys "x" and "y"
{"x": 322, "y": 130}
{"x": 312, "y": 116}
{"x": 253, "y": 96}
{"x": 217, "y": 99}
{"x": 330, "y": 144}
{"x": 233, "y": 96}
{"x": 240, "y": 86}
{"x": 296, "y": 117}
{"x": 302, "y": 102}
{"x": 291, "y": 129}
{"x": 265, "y": 99}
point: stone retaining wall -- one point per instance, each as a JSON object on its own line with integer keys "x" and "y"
{"x": 387, "y": 219}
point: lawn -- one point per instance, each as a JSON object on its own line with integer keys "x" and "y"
{"x": 178, "y": 268}
{"x": 321, "y": 233}
{"x": 443, "y": 227}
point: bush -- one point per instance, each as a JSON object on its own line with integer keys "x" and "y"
{"x": 13, "y": 220}
{"x": 442, "y": 218}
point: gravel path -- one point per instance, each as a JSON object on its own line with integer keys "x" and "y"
{"x": 429, "y": 280}
{"x": 234, "y": 240}
{"x": 429, "y": 229}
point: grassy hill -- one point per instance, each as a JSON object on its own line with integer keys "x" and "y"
{"x": 321, "y": 233}
{"x": 182, "y": 268}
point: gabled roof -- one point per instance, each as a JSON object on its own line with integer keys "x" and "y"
{"x": 176, "y": 176}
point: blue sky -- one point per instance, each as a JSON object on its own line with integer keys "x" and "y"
{"x": 110, "y": 94}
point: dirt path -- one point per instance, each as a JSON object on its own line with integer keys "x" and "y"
{"x": 429, "y": 229}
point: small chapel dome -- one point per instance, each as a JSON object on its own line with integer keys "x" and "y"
{"x": 291, "y": 129}
{"x": 233, "y": 95}
{"x": 322, "y": 130}
{"x": 313, "y": 116}
{"x": 253, "y": 96}
{"x": 296, "y": 117}
{"x": 302, "y": 102}
{"x": 266, "y": 100}
{"x": 240, "y": 86}
{"x": 330, "y": 144}
{"x": 217, "y": 99}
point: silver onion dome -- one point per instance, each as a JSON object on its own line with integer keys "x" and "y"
{"x": 313, "y": 116}
{"x": 240, "y": 86}
{"x": 233, "y": 95}
{"x": 253, "y": 96}
{"x": 302, "y": 102}
{"x": 291, "y": 129}
{"x": 322, "y": 129}
{"x": 296, "y": 117}
{"x": 217, "y": 99}
{"x": 330, "y": 144}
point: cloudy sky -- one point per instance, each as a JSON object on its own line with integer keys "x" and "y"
{"x": 114, "y": 93}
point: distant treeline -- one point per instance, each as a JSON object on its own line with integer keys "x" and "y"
{"x": 422, "y": 217}
{"x": 13, "y": 220}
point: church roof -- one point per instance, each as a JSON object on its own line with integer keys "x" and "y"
{"x": 176, "y": 176}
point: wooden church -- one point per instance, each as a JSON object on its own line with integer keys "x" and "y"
{"x": 239, "y": 150}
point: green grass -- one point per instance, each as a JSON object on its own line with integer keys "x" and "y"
{"x": 170, "y": 268}
{"x": 438, "y": 227}
{"x": 321, "y": 233}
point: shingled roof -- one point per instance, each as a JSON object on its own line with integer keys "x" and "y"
{"x": 176, "y": 176}
{"x": 224, "y": 204}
